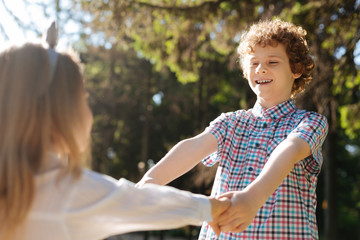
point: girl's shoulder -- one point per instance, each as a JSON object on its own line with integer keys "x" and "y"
{"x": 91, "y": 180}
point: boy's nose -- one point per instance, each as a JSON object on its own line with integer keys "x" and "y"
{"x": 260, "y": 69}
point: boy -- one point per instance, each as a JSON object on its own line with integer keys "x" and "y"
{"x": 269, "y": 156}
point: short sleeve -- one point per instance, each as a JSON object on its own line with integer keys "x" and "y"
{"x": 219, "y": 128}
{"x": 313, "y": 129}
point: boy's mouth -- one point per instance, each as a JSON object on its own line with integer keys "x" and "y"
{"x": 264, "y": 81}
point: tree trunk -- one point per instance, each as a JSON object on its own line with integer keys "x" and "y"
{"x": 145, "y": 118}
{"x": 330, "y": 190}
{"x": 330, "y": 206}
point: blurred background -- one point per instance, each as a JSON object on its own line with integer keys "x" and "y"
{"x": 159, "y": 71}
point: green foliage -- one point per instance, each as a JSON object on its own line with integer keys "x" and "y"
{"x": 349, "y": 119}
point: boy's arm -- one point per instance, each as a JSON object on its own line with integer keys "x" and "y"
{"x": 180, "y": 159}
{"x": 246, "y": 203}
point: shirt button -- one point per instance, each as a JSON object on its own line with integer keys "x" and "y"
{"x": 257, "y": 145}
{"x": 251, "y": 169}
{"x": 265, "y": 125}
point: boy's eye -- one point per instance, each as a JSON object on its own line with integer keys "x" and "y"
{"x": 254, "y": 64}
{"x": 273, "y": 62}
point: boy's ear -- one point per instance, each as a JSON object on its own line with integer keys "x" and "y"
{"x": 296, "y": 75}
{"x": 245, "y": 75}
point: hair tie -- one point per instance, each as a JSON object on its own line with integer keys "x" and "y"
{"x": 52, "y": 39}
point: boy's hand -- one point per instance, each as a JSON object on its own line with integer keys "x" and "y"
{"x": 240, "y": 214}
{"x": 218, "y": 207}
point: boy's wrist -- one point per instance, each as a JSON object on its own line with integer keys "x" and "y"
{"x": 254, "y": 196}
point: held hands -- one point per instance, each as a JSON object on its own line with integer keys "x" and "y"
{"x": 218, "y": 207}
{"x": 234, "y": 218}
{"x": 240, "y": 214}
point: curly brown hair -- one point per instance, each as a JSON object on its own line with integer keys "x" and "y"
{"x": 273, "y": 32}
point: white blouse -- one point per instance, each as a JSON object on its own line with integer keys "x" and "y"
{"x": 97, "y": 206}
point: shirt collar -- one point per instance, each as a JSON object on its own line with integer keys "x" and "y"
{"x": 275, "y": 112}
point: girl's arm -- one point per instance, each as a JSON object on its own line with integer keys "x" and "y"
{"x": 180, "y": 159}
{"x": 116, "y": 207}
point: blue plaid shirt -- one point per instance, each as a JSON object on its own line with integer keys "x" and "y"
{"x": 245, "y": 141}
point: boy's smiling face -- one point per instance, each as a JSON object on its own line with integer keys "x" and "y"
{"x": 269, "y": 74}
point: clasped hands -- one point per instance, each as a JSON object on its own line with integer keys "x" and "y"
{"x": 232, "y": 211}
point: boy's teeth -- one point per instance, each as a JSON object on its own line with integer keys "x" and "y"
{"x": 263, "y": 81}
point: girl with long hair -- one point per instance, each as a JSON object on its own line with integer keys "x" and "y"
{"x": 45, "y": 190}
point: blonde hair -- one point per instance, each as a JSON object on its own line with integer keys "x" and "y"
{"x": 39, "y": 110}
{"x": 273, "y": 32}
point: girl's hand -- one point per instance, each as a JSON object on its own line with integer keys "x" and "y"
{"x": 218, "y": 207}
